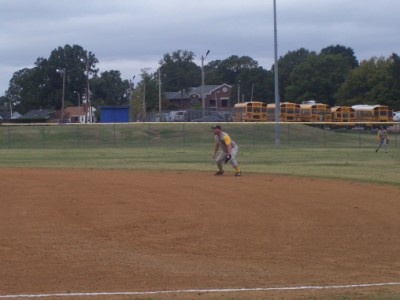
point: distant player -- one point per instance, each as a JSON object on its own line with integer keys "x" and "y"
{"x": 228, "y": 151}
{"x": 382, "y": 139}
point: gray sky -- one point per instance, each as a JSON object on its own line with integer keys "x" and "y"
{"x": 130, "y": 35}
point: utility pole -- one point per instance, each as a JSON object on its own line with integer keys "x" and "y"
{"x": 62, "y": 73}
{"x": 238, "y": 92}
{"x": 144, "y": 100}
{"x": 159, "y": 91}
{"x": 277, "y": 104}
{"x": 203, "y": 102}
{"x": 87, "y": 109}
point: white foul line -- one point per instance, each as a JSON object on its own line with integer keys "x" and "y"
{"x": 289, "y": 288}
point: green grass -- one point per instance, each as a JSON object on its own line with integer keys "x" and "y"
{"x": 179, "y": 135}
{"x": 351, "y": 163}
{"x": 303, "y": 150}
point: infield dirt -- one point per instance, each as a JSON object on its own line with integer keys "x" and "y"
{"x": 91, "y": 230}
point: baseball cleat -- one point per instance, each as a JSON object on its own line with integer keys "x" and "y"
{"x": 219, "y": 173}
{"x": 238, "y": 174}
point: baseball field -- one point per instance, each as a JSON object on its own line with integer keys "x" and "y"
{"x": 305, "y": 221}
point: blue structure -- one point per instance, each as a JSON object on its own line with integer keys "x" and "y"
{"x": 114, "y": 114}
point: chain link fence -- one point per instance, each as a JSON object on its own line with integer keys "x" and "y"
{"x": 190, "y": 134}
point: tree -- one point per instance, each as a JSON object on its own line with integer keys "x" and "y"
{"x": 374, "y": 81}
{"x": 144, "y": 94}
{"x": 394, "y": 74}
{"x": 3, "y": 100}
{"x": 319, "y": 77}
{"x": 255, "y": 84}
{"x": 286, "y": 65}
{"x": 243, "y": 71}
{"x": 228, "y": 70}
{"x": 41, "y": 86}
{"x": 110, "y": 89}
{"x": 179, "y": 71}
{"x": 346, "y": 52}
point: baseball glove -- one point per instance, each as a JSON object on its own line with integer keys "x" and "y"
{"x": 228, "y": 158}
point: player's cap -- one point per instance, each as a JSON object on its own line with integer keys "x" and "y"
{"x": 216, "y": 127}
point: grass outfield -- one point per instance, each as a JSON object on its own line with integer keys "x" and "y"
{"x": 342, "y": 163}
{"x": 304, "y": 150}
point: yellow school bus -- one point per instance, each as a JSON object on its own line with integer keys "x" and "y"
{"x": 372, "y": 113}
{"x": 271, "y": 112}
{"x": 315, "y": 112}
{"x": 249, "y": 112}
{"x": 288, "y": 112}
{"x": 342, "y": 114}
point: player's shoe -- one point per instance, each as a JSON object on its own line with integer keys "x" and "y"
{"x": 219, "y": 173}
{"x": 238, "y": 174}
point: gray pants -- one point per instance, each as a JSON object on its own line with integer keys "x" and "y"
{"x": 222, "y": 155}
{"x": 382, "y": 142}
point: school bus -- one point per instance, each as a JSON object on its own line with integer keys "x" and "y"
{"x": 249, "y": 112}
{"x": 342, "y": 114}
{"x": 271, "y": 112}
{"x": 372, "y": 113}
{"x": 314, "y": 112}
{"x": 288, "y": 112}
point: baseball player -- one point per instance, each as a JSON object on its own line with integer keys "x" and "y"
{"x": 382, "y": 139}
{"x": 228, "y": 151}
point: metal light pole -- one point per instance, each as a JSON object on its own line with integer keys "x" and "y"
{"x": 132, "y": 83}
{"x": 277, "y": 104}
{"x": 144, "y": 100}
{"x": 131, "y": 90}
{"x": 62, "y": 72}
{"x": 11, "y": 113}
{"x": 79, "y": 98}
{"x": 238, "y": 92}
{"x": 159, "y": 91}
{"x": 203, "y": 102}
{"x": 87, "y": 89}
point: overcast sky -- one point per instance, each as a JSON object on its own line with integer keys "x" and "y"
{"x": 130, "y": 35}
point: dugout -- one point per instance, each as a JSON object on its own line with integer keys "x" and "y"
{"x": 114, "y": 114}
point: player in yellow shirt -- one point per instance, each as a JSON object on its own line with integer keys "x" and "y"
{"x": 228, "y": 152}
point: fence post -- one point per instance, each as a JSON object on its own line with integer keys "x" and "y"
{"x": 8, "y": 137}
{"x": 78, "y": 141}
{"x": 148, "y": 134}
{"x": 253, "y": 134}
{"x": 43, "y": 141}
{"x": 183, "y": 135}
{"x": 114, "y": 134}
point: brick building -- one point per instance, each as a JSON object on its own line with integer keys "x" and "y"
{"x": 215, "y": 97}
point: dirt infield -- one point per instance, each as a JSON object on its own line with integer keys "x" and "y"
{"x": 66, "y": 231}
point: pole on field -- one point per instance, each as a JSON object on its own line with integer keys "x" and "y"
{"x": 277, "y": 104}
{"x": 203, "y": 101}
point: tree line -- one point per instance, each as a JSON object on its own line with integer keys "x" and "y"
{"x": 333, "y": 76}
